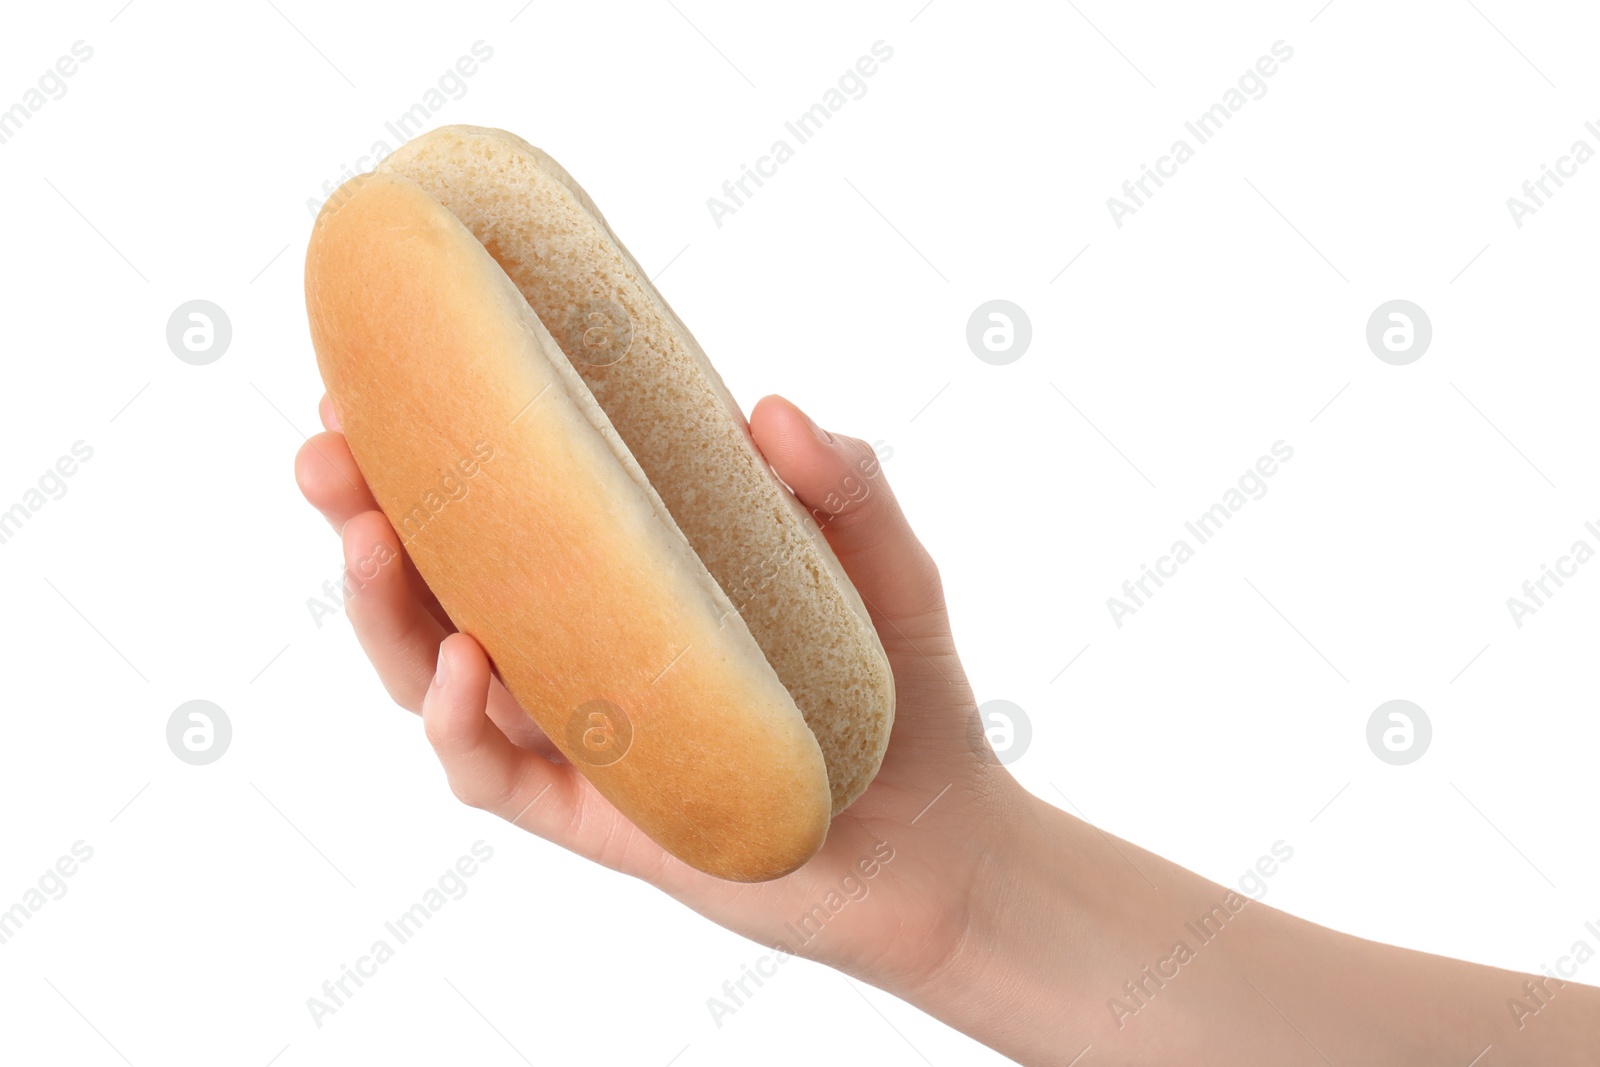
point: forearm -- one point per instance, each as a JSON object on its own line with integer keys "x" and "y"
{"x": 1081, "y": 940}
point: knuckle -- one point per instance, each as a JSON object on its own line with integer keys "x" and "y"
{"x": 407, "y": 695}
{"x": 435, "y": 732}
{"x": 466, "y": 791}
{"x": 499, "y": 794}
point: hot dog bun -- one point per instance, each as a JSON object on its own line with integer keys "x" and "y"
{"x": 590, "y": 506}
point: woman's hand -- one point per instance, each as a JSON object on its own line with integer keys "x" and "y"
{"x": 946, "y": 883}
{"x": 888, "y": 897}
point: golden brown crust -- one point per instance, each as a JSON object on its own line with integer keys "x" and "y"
{"x": 681, "y": 424}
{"x": 543, "y": 540}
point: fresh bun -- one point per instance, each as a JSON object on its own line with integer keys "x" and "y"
{"x": 582, "y": 493}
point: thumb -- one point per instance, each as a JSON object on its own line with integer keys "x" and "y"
{"x": 840, "y": 481}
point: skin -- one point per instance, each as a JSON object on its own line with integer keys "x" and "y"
{"x": 1005, "y": 917}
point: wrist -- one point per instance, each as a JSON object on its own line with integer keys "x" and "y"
{"x": 1010, "y": 976}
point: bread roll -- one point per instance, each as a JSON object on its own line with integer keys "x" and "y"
{"x": 579, "y": 489}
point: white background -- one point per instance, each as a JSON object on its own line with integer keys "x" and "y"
{"x": 1221, "y": 318}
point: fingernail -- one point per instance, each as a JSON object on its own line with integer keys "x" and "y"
{"x": 441, "y": 673}
{"x": 822, "y": 435}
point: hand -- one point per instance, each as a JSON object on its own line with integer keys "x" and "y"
{"x": 922, "y": 830}
{"x": 946, "y": 883}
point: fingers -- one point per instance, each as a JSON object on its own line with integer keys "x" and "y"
{"x": 399, "y": 633}
{"x": 840, "y": 481}
{"x": 330, "y": 480}
{"x": 396, "y": 631}
{"x": 484, "y": 767}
